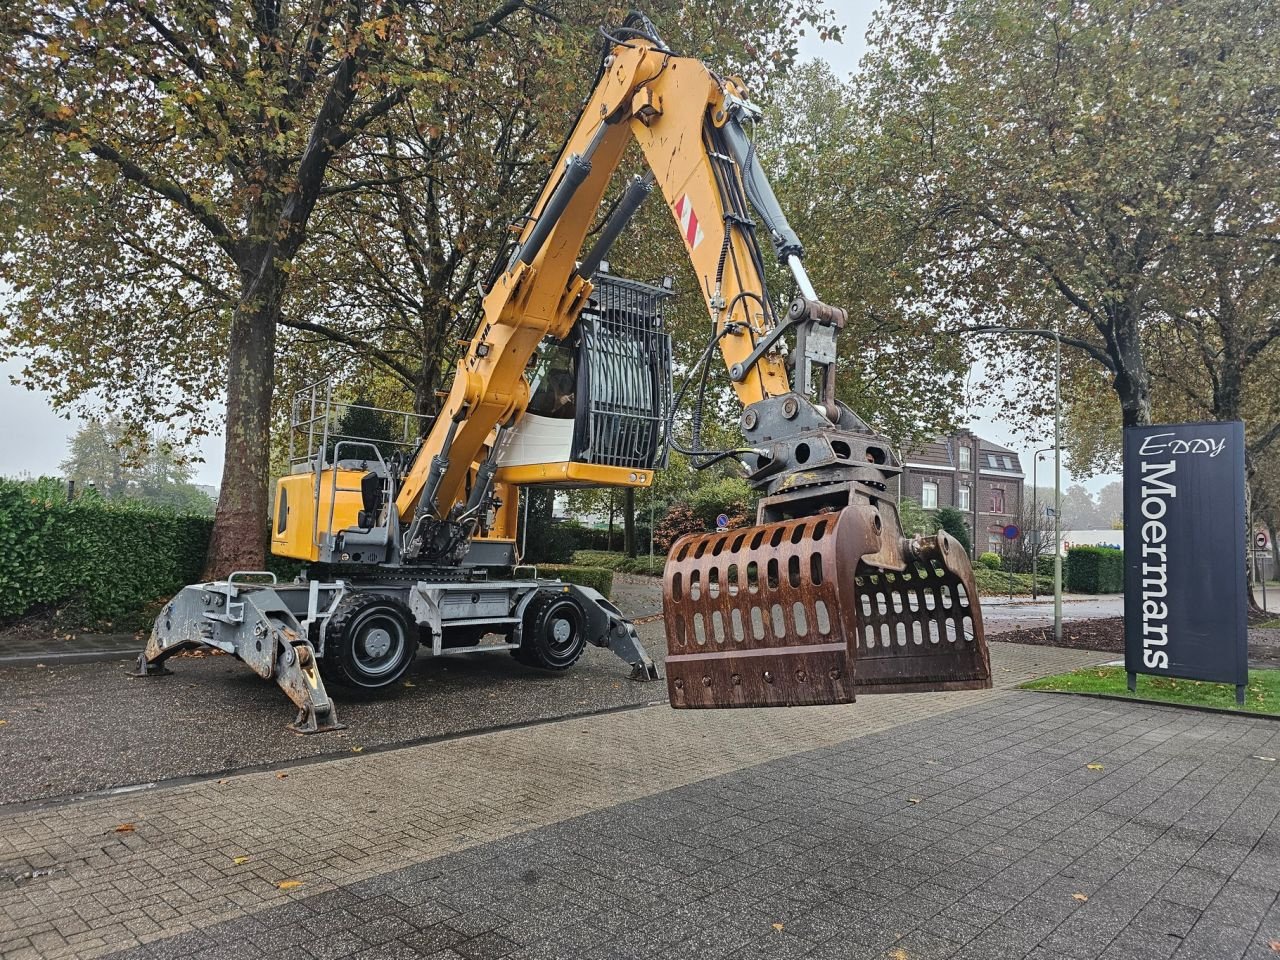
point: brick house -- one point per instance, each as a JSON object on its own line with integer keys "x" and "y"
{"x": 978, "y": 477}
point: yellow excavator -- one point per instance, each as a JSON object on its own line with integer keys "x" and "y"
{"x": 567, "y": 382}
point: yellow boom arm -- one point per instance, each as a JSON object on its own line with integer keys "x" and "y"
{"x": 673, "y": 107}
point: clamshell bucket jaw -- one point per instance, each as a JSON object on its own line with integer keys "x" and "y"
{"x": 817, "y": 609}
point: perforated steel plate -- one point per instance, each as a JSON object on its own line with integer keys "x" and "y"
{"x": 813, "y": 610}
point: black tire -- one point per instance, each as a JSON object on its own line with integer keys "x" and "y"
{"x": 370, "y": 642}
{"x": 555, "y": 634}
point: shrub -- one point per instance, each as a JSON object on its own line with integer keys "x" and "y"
{"x": 730, "y": 496}
{"x": 990, "y": 560}
{"x": 1044, "y": 566}
{"x": 552, "y": 543}
{"x": 97, "y": 560}
{"x": 1094, "y": 570}
{"x": 620, "y": 562}
{"x": 597, "y": 538}
{"x": 680, "y": 520}
{"x": 952, "y": 521}
{"x": 993, "y": 583}
{"x": 595, "y": 577}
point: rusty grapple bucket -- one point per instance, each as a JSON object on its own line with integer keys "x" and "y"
{"x": 817, "y": 609}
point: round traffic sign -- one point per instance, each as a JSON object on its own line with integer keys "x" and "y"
{"x": 722, "y": 521}
{"x": 1011, "y": 532}
{"x": 1261, "y": 539}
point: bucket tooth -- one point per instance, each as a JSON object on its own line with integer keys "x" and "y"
{"x": 816, "y": 609}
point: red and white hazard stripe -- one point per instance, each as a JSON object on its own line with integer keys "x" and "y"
{"x": 688, "y": 222}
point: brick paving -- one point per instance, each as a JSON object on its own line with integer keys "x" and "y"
{"x": 78, "y": 887}
{"x": 958, "y": 825}
{"x": 976, "y": 833}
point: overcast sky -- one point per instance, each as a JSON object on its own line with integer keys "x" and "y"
{"x": 33, "y": 439}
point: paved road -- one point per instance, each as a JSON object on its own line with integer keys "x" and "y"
{"x": 999, "y": 613}
{"x": 958, "y": 825}
{"x": 72, "y": 728}
{"x": 641, "y": 596}
{"x": 82, "y": 888}
{"x": 1270, "y": 602}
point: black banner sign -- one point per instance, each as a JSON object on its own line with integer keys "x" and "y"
{"x": 1184, "y": 552}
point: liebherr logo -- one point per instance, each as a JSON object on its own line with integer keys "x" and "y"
{"x": 688, "y": 222}
{"x": 1156, "y": 494}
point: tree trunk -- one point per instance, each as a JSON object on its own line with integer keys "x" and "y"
{"x": 629, "y": 522}
{"x": 239, "y": 538}
{"x": 1132, "y": 384}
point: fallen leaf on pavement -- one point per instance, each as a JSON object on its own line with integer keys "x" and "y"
{"x": 3, "y": 722}
{"x": 357, "y": 749}
{"x": 289, "y": 884}
{"x": 282, "y": 776}
{"x": 1080, "y": 896}
{"x": 897, "y": 953}
{"x": 221, "y": 782}
{"x": 125, "y": 828}
{"x": 913, "y": 799}
{"x": 1275, "y": 946}
{"x": 777, "y": 926}
{"x": 1093, "y": 766}
{"x": 239, "y": 860}
{"x": 1256, "y": 756}
{"x": 408, "y": 684}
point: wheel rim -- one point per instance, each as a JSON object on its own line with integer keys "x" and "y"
{"x": 378, "y": 643}
{"x": 563, "y": 630}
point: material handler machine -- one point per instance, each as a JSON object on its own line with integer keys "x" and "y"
{"x": 567, "y": 382}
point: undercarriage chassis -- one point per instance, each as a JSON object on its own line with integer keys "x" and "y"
{"x": 365, "y": 632}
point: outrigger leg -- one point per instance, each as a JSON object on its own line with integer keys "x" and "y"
{"x": 250, "y": 623}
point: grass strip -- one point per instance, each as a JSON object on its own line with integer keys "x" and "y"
{"x": 1262, "y": 693}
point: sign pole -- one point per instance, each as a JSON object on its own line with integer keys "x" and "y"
{"x": 1260, "y": 568}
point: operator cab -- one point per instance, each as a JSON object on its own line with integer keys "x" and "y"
{"x": 599, "y": 399}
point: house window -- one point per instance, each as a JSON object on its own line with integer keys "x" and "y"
{"x": 929, "y": 495}
{"x": 966, "y": 458}
{"x": 991, "y": 459}
{"x": 997, "y": 500}
{"x": 962, "y": 500}
{"x": 994, "y": 543}
{"x": 1008, "y": 464}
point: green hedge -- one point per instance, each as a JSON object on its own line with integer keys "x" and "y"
{"x": 990, "y": 560}
{"x": 1094, "y": 570}
{"x": 620, "y": 562}
{"x": 96, "y": 560}
{"x": 595, "y": 577}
